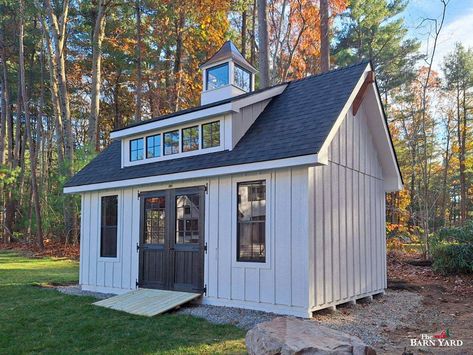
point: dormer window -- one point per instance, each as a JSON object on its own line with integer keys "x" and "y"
{"x": 171, "y": 142}
{"x": 242, "y": 78}
{"x": 137, "y": 149}
{"x": 217, "y": 76}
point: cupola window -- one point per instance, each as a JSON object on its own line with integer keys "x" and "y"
{"x": 217, "y": 76}
{"x": 242, "y": 78}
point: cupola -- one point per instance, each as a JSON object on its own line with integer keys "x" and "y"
{"x": 226, "y": 74}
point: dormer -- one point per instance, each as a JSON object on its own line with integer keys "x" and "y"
{"x": 226, "y": 74}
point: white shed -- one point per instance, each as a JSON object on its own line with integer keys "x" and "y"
{"x": 271, "y": 200}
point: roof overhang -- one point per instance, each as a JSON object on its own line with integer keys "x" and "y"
{"x": 366, "y": 93}
{"x": 303, "y": 160}
{"x": 217, "y": 110}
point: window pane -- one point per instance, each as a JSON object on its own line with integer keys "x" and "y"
{"x": 171, "y": 143}
{"x": 187, "y": 218}
{"x": 108, "y": 231}
{"x": 155, "y": 220}
{"x": 190, "y": 139}
{"x": 217, "y": 76}
{"x": 211, "y": 134}
{"x": 153, "y": 146}
{"x": 251, "y": 226}
{"x": 241, "y": 78}
{"x": 136, "y": 149}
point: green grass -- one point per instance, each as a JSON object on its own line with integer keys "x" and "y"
{"x": 40, "y": 320}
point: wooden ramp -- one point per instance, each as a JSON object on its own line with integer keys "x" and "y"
{"x": 147, "y": 302}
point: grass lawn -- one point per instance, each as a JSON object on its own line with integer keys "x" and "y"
{"x": 39, "y": 320}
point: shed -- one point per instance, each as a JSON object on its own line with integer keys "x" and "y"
{"x": 269, "y": 199}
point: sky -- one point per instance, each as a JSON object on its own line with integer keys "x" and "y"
{"x": 458, "y": 25}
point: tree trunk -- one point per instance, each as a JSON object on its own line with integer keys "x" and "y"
{"x": 26, "y": 109}
{"x": 139, "y": 80}
{"x": 324, "y": 37}
{"x": 97, "y": 40}
{"x": 243, "y": 32}
{"x": 5, "y": 98}
{"x": 178, "y": 59}
{"x": 263, "y": 50}
{"x": 253, "y": 35}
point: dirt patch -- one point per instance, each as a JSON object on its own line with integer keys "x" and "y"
{"x": 447, "y": 303}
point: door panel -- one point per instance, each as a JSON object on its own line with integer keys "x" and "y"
{"x": 172, "y": 252}
{"x": 153, "y": 256}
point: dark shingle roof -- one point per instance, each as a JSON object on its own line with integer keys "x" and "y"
{"x": 294, "y": 123}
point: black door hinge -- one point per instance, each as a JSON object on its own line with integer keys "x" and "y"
{"x": 205, "y": 247}
{"x": 137, "y": 247}
{"x": 137, "y": 283}
{"x": 206, "y": 188}
{"x": 205, "y": 290}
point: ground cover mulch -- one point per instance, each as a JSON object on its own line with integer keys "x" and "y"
{"x": 51, "y": 249}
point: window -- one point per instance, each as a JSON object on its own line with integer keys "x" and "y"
{"x": 242, "y": 78}
{"x": 251, "y": 221}
{"x": 217, "y": 76}
{"x": 211, "y": 134}
{"x": 108, "y": 230}
{"x": 190, "y": 139}
{"x": 171, "y": 142}
{"x": 136, "y": 149}
{"x": 153, "y": 146}
{"x": 187, "y": 218}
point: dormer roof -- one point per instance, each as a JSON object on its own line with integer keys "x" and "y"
{"x": 229, "y": 51}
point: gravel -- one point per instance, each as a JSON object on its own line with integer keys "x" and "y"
{"x": 368, "y": 321}
{"x": 242, "y": 318}
{"x": 75, "y": 290}
{"x": 394, "y": 311}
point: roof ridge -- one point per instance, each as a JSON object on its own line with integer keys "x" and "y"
{"x": 312, "y": 76}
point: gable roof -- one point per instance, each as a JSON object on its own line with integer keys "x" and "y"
{"x": 296, "y": 123}
{"x": 229, "y": 51}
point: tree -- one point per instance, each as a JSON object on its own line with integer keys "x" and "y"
{"x": 324, "y": 37}
{"x": 263, "y": 44}
{"x": 458, "y": 71}
{"x": 375, "y": 30}
{"x": 26, "y": 110}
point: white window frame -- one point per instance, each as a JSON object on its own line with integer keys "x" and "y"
{"x": 268, "y": 224}
{"x": 119, "y": 195}
{"x": 126, "y": 143}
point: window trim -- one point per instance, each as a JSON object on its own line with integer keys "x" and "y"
{"x": 246, "y": 71}
{"x": 199, "y": 145}
{"x": 227, "y": 64}
{"x": 117, "y": 258}
{"x": 160, "y": 146}
{"x": 179, "y": 140}
{"x": 268, "y": 226}
{"x": 130, "y": 150}
{"x": 202, "y": 134}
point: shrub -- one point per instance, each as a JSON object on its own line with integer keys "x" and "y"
{"x": 452, "y": 250}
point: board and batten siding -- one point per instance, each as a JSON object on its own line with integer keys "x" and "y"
{"x": 348, "y": 238}
{"x": 278, "y": 285}
{"x": 281, "y": 283}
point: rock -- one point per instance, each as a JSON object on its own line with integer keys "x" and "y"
{"x": 287, "y": 336}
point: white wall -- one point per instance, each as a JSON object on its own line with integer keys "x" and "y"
{"x": 348, "y": 234}
{"x": 280, "y": 284}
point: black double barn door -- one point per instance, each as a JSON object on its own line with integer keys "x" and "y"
{"x": 172, "y": 239}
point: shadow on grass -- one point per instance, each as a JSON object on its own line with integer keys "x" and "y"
{"x": 36, "y": 319}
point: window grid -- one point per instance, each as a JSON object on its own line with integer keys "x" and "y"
{"x": 190, "y": 138}
{"x": 211, "y": 134}
{"x": 136, "y": 149}
{"x": 153, "y": 146}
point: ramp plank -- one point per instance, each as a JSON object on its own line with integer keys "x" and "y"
{"x": 147, "y": 302}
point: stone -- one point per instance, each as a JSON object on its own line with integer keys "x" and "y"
{"x": 287, "y": 336}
